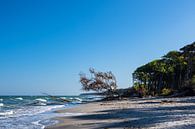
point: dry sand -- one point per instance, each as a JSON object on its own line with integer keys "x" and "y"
{"x": 152, "y": 113}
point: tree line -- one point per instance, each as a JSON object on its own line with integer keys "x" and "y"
{"x": 172, "y": 73}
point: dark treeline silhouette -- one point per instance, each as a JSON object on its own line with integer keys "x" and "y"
{"x": 173, "y": 73}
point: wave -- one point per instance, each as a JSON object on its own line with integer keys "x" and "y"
{"x": 19, "y": 98}
{"x": 6, "y": 113}
{"x": 34, "y": 110}
{"x": 38, "y": 124}
{"x": 35, "y": 102}
{"x": 28, "y": 117}
{"x": 63, "y": 97}
{"x": 41, "y": 100}
{"x": 79, "y": 99}
{"x": 1, "y": 104}
{"x": 1, "y": 99}
{"x": 76, "y": 99}
{"x": 40, "y": 104}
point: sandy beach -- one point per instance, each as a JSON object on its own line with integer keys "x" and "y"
{"x": 152, "y": 113}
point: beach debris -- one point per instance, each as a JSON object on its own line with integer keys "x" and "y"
{"x": 167, "y": 101}
{"x": 99, "y": 81}
{"x": 58, "y": 99}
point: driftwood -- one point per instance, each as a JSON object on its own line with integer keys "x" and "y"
{"x": 57, "y": 98}
{"x": 167, "y": 101}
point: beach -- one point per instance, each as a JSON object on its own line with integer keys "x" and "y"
{"x": 150, "y": 113}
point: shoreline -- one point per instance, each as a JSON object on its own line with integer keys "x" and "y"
{"x": 132, "y": 113}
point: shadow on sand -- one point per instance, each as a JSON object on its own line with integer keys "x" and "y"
{"x": 141, "y": 117}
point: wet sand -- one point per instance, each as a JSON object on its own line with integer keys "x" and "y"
{"x": 150, "y": 113}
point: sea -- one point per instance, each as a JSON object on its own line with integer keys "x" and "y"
{"x": 36, "y": 112}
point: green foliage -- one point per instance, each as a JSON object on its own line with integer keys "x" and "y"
{"x": 166, "y": 91}
{"x": 140, "y": 90}
{"x": 193, "y": 80}
{"x": 174, "y": 70}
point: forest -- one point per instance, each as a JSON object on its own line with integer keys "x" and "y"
{"x": 173, "y": 73}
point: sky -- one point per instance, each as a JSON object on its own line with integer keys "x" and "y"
{"x": 45, "y": 44}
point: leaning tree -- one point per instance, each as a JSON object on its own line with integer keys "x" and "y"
{"x": 99, "y": 81}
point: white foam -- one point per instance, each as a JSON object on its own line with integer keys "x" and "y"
{"x": 73, "y": 114}
{"x": 38, "y": 124}
{"x": 78, "y": 99}
{"x": 1, "y": 99}
{"x": 34, "y": 110}
{"x": 42, "y": 104}
{"x": 41, "y": 100}
{"x": 63, "y": 97}
{"x": 1, "y": 104}
{"x": 6, "y": 113}
{"x": 19, "y": 98}
{"x": 29, "y": 117}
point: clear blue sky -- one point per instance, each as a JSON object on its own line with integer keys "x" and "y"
{"x": 45, "y": 44}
